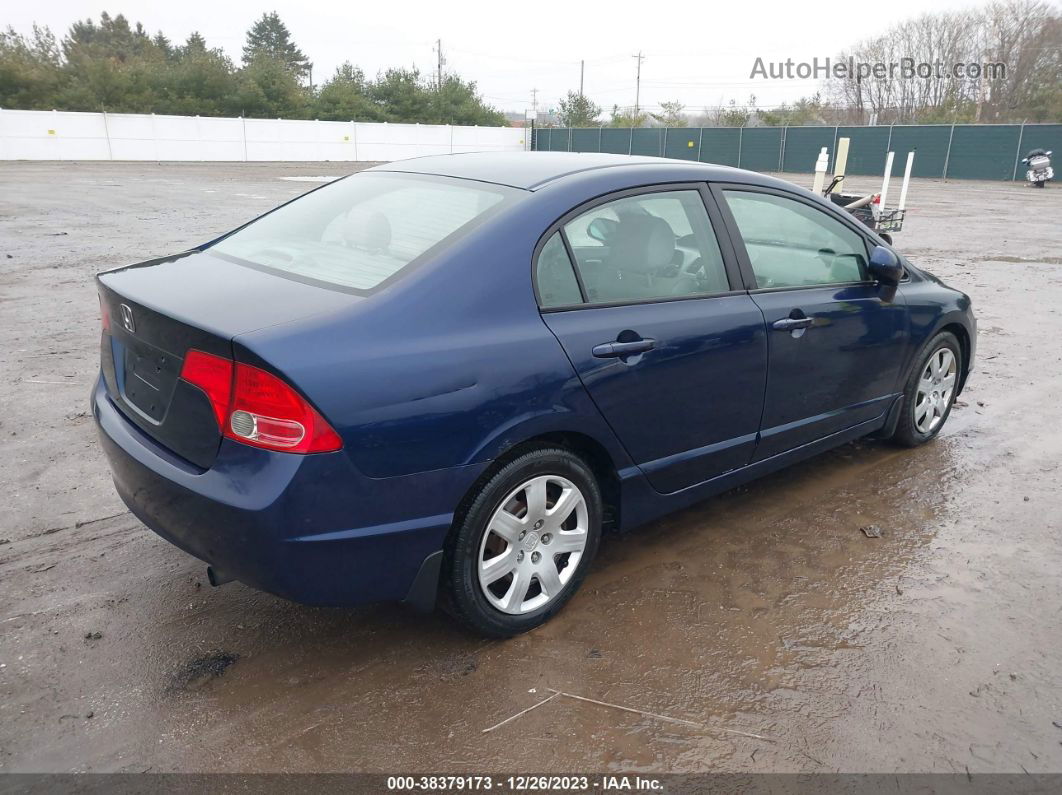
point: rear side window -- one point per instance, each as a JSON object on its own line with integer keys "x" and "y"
{"x": 791, "y": 244}
{"x": 650, "y": 246}
{"x": 360, "y": 231}
{"x": 555, "y": 277}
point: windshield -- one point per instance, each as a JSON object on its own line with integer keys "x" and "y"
{"x": 359, "y": 231}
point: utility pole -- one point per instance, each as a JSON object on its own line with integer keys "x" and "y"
{"x": 582, "y": 71}
{"x": 534, "y": 104}
{"x": 638, "y": 82}
{"x": 441, "y": 61}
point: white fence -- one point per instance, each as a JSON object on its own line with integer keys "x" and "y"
{"x": 56, "y": 135}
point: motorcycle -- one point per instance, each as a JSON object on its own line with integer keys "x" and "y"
{"x": 1039, "y": 163}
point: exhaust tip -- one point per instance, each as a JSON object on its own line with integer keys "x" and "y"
{"x": 217, "y": 578}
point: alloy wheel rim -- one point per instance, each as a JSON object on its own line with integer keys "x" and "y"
{"x": 936, "y": 387}
{"x": 532, "y": 544}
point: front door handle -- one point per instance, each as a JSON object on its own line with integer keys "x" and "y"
{"x": 792, "y": 323}
{"x": 611, "y": 350}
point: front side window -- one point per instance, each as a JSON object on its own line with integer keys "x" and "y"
{"x": 647, "y": 247}
{"x": 359, "y": 231}
{"x": 791, "y": 244}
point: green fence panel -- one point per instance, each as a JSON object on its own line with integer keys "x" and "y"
{"x": 616, "y": 140}
{"x": 682, "y": 142}
{"x": 1043, "y": 136}
{"x": 802, "y": 146}
{"x": 976, "y": 151}
{"x": 648, "y": 141}
{"x": 720, "y": 145}
{"x": 929, "y": 142}
{"x": 866, "y": 150}
{"x": 558, "y": 139}
{"x": 586, "y": 139}
{"x": 983, "y": 152}
{"x": 761, "y": 148}
{"x": 1040, "y": 136}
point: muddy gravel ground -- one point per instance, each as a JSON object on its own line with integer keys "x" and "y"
{"x": 763, "y": 612}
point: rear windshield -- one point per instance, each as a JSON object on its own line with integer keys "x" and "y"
{"x": 360, "y": 231}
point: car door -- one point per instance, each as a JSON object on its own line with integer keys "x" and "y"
{"x": 836, "y": 339}
{"x": 645, "y": 298}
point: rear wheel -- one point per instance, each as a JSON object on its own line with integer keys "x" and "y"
{"x": 930, "y": 391}
{"x": 523, "y": 546}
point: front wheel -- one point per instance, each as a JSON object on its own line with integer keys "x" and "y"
{"x": 523, "y": 546}
{"x": 930, "y": 391}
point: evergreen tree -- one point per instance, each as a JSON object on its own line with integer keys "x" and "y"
{"x": 30, "y": 69}
{"x": 456, "y": 102}
{"x": 578, "y": 111}
{"x": 266, "y": 88}
{"x": 346, "y": 97}
{"x": 269, "y": 37}
{"x": 402, "y": 95}
{"x": 163, "y": 45}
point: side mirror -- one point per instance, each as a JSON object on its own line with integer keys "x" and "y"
{"x": 1048, "y": 152}
{"x": 885, "y": 266}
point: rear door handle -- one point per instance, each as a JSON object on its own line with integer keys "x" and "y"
{"x": 610, "y": 350}
{"x": 791, "y": 323}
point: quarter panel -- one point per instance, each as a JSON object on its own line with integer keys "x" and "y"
{"x": 449, "y": 366}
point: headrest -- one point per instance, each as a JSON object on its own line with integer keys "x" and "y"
{"x": 367, "y": 229}
{"x": 642, "y": 243}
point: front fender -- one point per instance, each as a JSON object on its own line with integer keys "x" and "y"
{"x": 934, "y": 307}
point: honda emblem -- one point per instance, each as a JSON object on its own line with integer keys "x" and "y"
{"x": 127, "y": 318}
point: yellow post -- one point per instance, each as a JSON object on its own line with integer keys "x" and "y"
{"x": 842, "y": 157}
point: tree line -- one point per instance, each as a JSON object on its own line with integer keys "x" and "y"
{"x": 1023, "y": 35}
{"x": 118, "y": 67}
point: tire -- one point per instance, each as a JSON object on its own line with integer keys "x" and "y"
{"x": 538, "y": 563}
{"x": 929, "y": 385}
{"x": 1041, "y": 184}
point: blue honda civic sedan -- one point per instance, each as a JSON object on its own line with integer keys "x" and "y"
{"x": 440, "y": 380}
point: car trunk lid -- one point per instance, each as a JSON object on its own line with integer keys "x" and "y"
{"x": 161, "y": 309}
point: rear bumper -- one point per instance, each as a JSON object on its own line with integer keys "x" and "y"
{"x": 308, "y": 528}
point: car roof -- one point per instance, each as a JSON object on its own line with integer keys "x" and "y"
{"x": 533, "y": 170}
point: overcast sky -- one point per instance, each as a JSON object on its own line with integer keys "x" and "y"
{"x": 700, "y": 53}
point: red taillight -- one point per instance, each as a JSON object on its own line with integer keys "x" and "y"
{"x": 257, "y": 408}
{"x": 212, "y": 374}
{"x": 268, "y": 413}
